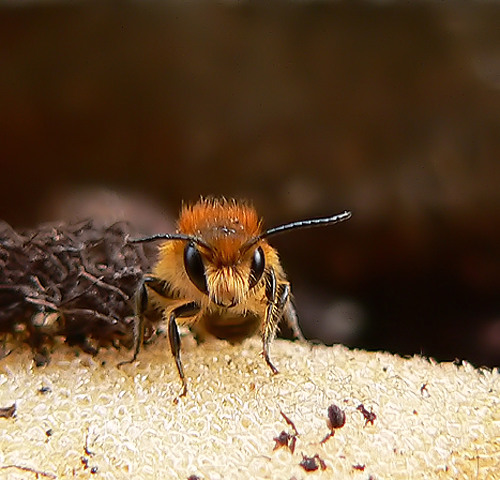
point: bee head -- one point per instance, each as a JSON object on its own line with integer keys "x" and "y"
{"x": 217, "y": 259}
{"x": 225, "y": 251}
{"x": 226, "y": 279}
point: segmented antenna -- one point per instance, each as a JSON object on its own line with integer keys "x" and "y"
{"x": 169, "y": 236}
{"x": 311, "y": 223}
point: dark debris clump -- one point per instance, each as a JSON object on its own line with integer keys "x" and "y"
{"x": 75, "y": 281}
{"x": 311, "y": 464}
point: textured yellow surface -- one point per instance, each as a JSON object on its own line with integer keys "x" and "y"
{"x": 224, "y": 427}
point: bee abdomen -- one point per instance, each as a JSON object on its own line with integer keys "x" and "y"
{"x": 228, "y": 326}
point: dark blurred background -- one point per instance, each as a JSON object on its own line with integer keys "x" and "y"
{"x": 307, "y": 108}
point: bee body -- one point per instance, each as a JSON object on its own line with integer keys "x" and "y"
{"x": 219, "y": 275}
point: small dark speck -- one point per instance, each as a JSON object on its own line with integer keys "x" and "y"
{"x": 43, "y": 390}
{"x": 8, "y": 412}
{"x": 49, "y": 432}
{"x": 193, "y": 477}
{"x": 358, "y": 467}
{"x": 284, "y": 439}
{"x": 336, "y": 417}
{"x": 94, "y": 470}
{"x": 424, "y": 391}
{"x": 370, "y": 416}
{"x": 311, "y": 464}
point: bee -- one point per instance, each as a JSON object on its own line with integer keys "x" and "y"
{"x": 219, "y": 275}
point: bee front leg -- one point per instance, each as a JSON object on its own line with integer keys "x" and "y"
{"x": 273, "y": 315}
{"x": 174, "y": 338}
{"x": 278, "y": 296}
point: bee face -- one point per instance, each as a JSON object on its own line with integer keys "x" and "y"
{"x": 220, "y": 261}
{"x": 226, "y": 283}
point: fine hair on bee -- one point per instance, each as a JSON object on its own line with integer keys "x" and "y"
{"x": 219, "y": 275}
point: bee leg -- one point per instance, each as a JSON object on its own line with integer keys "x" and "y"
{"x": 141, "y": 304}
{"x": 141, "y": 300}
{"x": 280, "y": 305}
{"x": 174, "y": 339}
{"x": 290, "y": 315}
{"x": 272, "y": 318}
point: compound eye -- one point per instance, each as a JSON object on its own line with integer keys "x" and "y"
{"x": 195, "y": 269}
{"x": 257, "y": 268}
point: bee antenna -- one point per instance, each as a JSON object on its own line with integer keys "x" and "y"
{"x": 313, "y": 222}
{"x": 168, "y": 236}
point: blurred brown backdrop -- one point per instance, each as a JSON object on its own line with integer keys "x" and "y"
{"x": 307, "y": 108}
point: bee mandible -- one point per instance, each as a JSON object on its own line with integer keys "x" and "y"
{"x": 219, "y": 275}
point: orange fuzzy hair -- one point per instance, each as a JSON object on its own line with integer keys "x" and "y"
{"x": 225, "y": 225}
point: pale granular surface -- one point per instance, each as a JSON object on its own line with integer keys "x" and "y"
{"x": 94, "y": 420}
